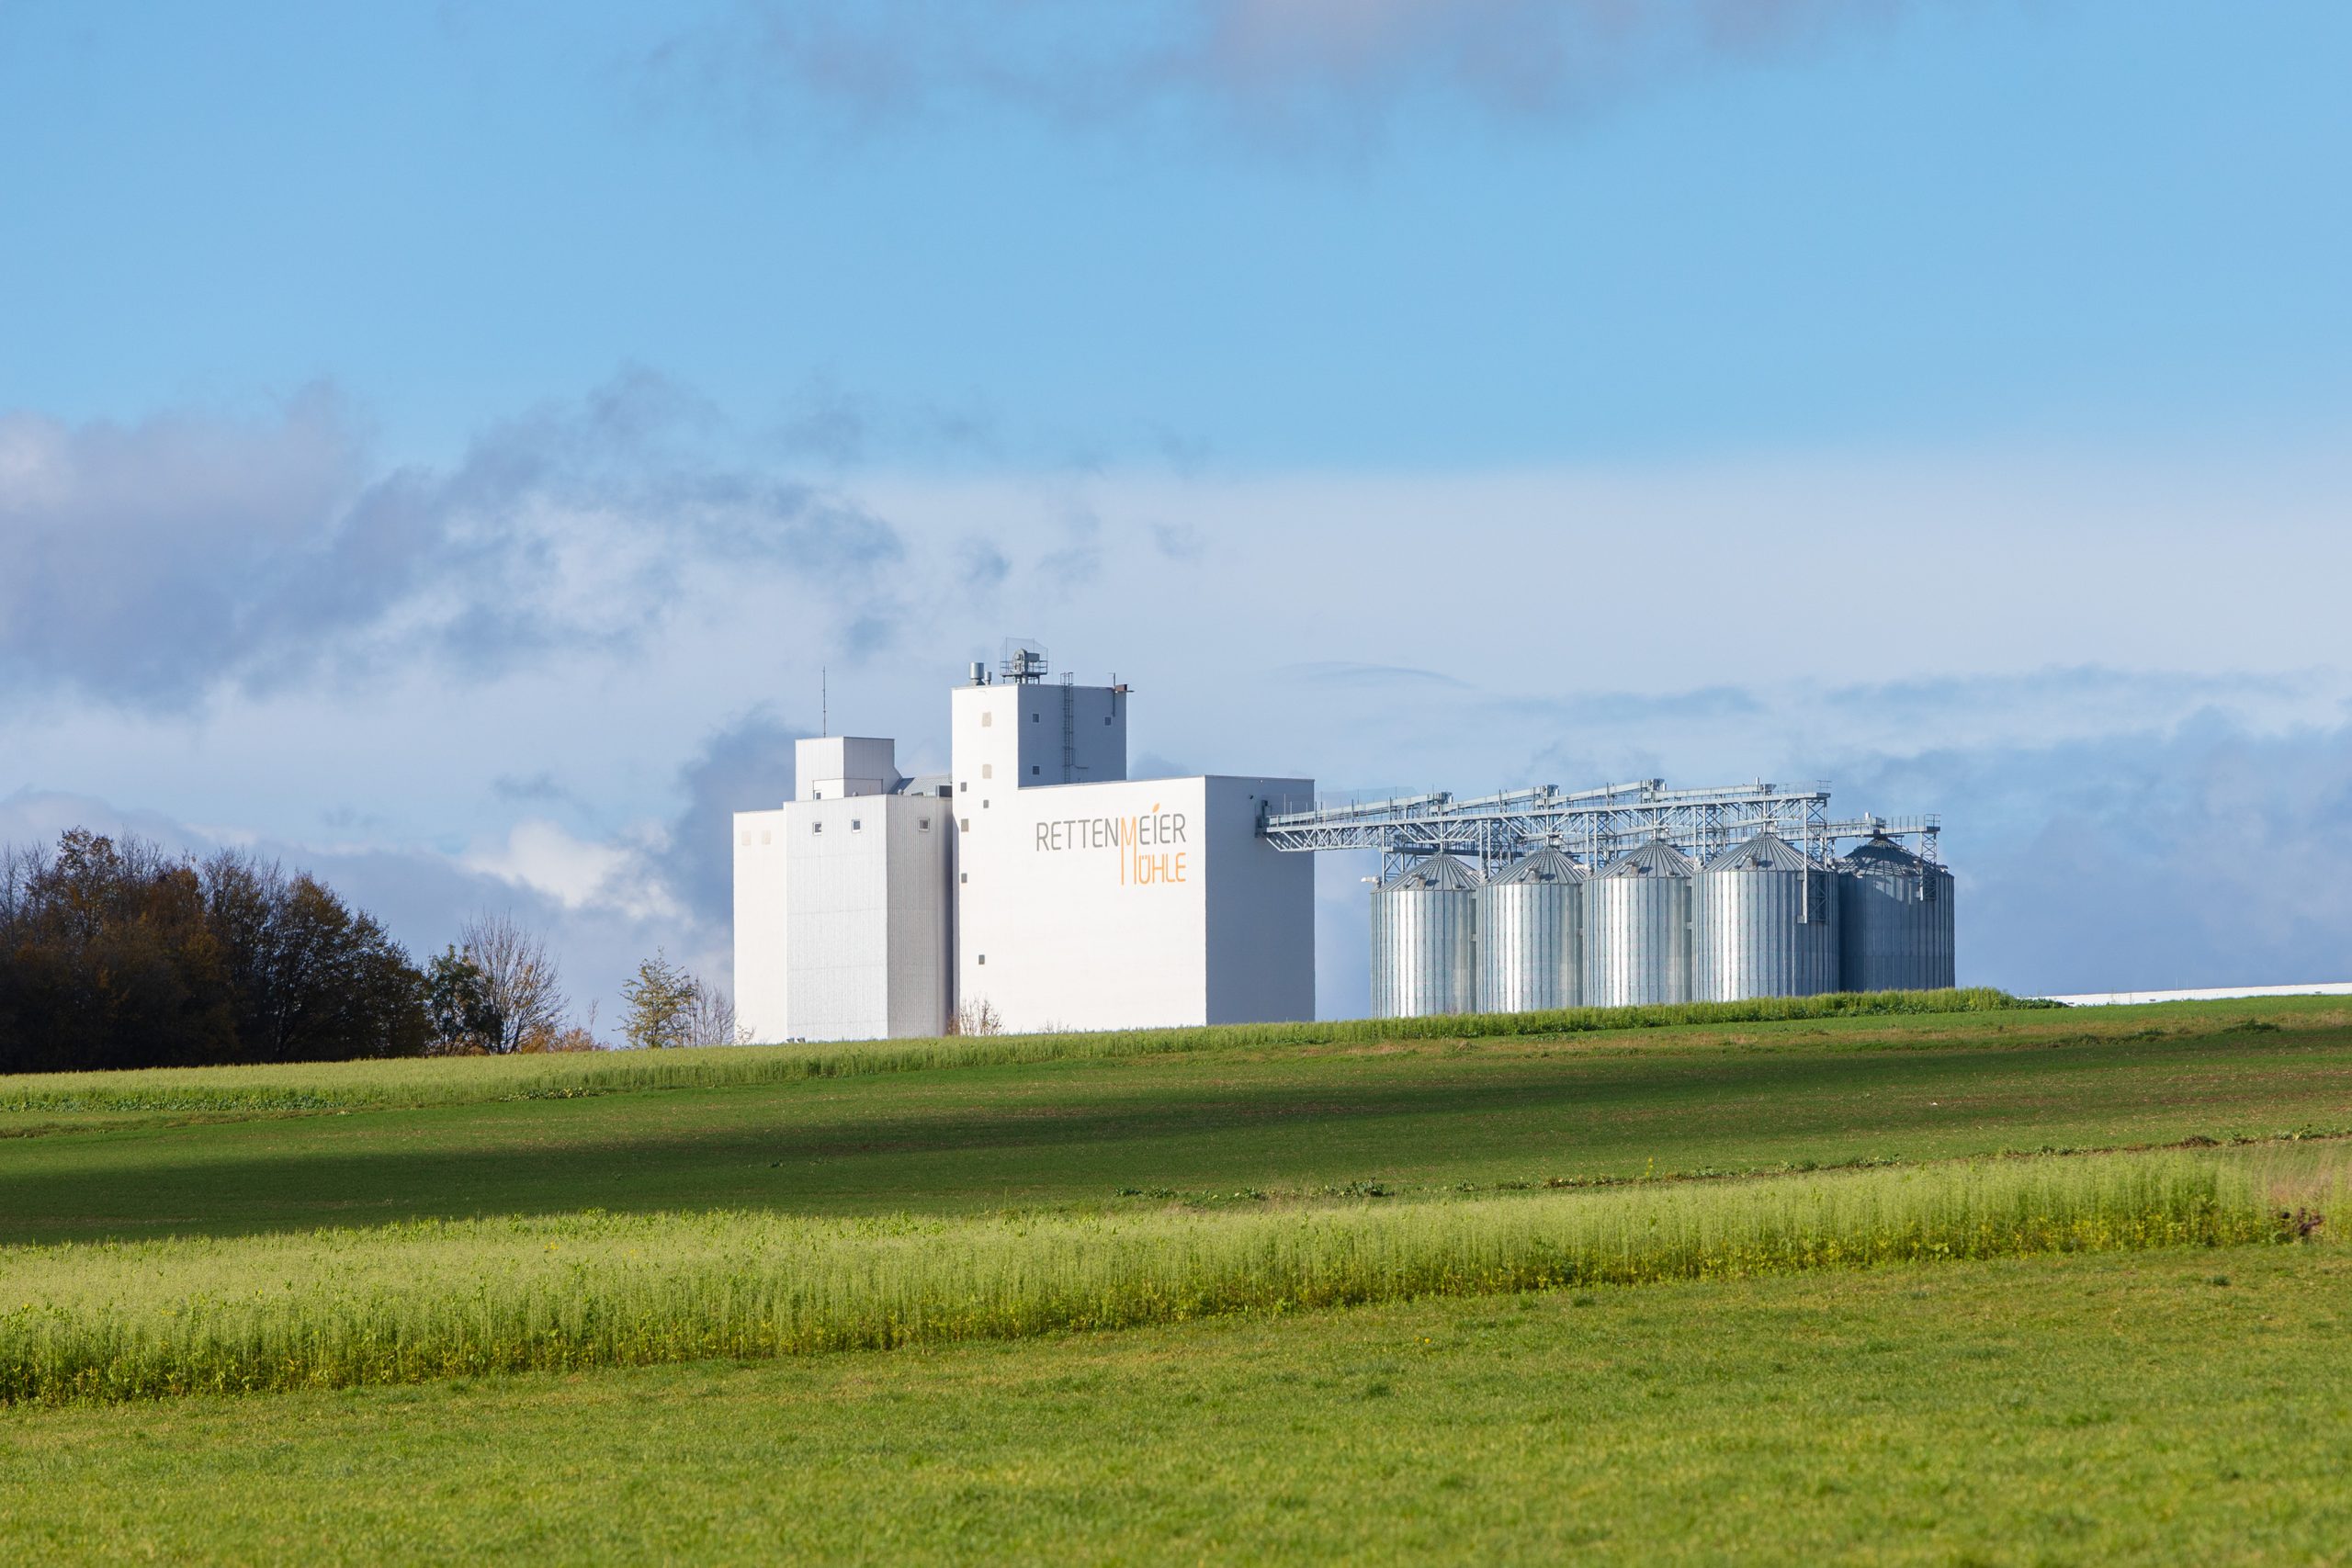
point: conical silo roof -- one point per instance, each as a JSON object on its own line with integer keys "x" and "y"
{"x": 1656, "y": 858}
{"x": 1441, "y": 873}
{"x": 1880, "y": 853}
{"x": 1543, "y": 865}
{"x": 1765, "y": 852}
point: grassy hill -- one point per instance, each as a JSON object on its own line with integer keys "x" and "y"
{"x": 1824, "y": 1379}
{"x": 1414, "y": 1116}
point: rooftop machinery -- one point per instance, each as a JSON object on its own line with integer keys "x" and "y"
{"x": 1635, "y": 894}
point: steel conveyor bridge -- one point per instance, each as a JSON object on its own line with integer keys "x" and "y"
{"x": 1595, "y": 826}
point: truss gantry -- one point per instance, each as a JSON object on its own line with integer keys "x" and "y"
{"x": 1594, "y": 826}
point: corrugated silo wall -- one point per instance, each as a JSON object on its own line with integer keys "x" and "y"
{"x": 1530, "y": 946}
{"x": 1762, "y": 932}
{"x": 1424, "y": 950}
{"x": 1636, "y": 941}
{"x": 1897, "y": 929}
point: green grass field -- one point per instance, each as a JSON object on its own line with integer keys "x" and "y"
{"x": 2081, "y": 1409}
{"x": 1418, "y": 1117}
{"x": 1790, "y": 1290}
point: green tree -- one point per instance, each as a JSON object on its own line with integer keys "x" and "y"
{"x": 458, "y": 1000}
{"x": 662, "y": 1003}
{"x": 114, "y": 953}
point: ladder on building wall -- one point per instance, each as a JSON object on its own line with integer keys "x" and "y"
{"x": 1070, "y": 731}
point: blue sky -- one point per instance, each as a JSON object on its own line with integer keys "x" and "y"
{"x": 441, "y": 442}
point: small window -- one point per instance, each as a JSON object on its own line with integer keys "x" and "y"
{"x": 963, "y": 877}
{"x": 1035, "y": 717}
{"x": 987, "y": 719}
{"x": 1032, "y": 767}
{"x": 922, "y": 824}
{"x": 984, "y": 958}
{"x": 747, "y": 835}
{"x": 816, "y": 826}
{"x": 1106, "y": 718}
{"x": 763, "y": 835}
{"x": 968, "y": 824}
{"x": 984, "y": 805}
{"x": 855, "y": 824}
{"x": 963, "y": 783}
{"x": 988, "y": 769}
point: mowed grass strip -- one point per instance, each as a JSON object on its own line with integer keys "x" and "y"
{"x": 2171, "y": 1406}
{"x": 408, "y": 1303}
{"x": 333, "y": 1086}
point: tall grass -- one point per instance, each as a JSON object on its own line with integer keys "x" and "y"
{"x": 434, "y": 1299}
{"x": 329, "y": 1086}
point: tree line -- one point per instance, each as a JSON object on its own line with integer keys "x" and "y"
{"x": 118, "y": 953}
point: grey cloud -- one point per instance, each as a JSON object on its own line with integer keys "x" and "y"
{"x": 1598, "y": 708}
{"x": 1152, "y": 765}
{"x": 539, "y": 787}
{"x": 746, "y": 766}
{"x": 1179, "y": 541}
{"x": 1080, "y": 560}
{"x": 138, "y": 558}
{"x": 1348, "y": 672}
{"x": 2208, "y": 856}
{"x": 146, "y": 564}
{"x": 843, "y": 428}
{"x": 980, "y": 564}
{"x": 823, "y": 421}
{"x": 2091, "y": 684}
{"x": 1301, "y": 72}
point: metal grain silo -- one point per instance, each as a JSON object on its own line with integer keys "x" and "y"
{"x": 1531, "y": 929}
{"x": 1637, "y": 928}
{"x": 1763, "y": 923}
{"x": 1424, "y": 940}
{"x": 1895, "y": 912}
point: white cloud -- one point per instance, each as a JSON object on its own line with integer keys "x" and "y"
{"x": 575, "y": 873}
{"x": 1924, "y": 631}
{"x": 163, "y": 563}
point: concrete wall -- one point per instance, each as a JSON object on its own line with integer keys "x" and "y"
{"x": 842, "y": 920}
{"x": 759, "y": 906}
{"x": 1007, "y": 737}
{"x": 830, "y": 766}
{"x": 1261, "y": 908}
{"x": 1089, "y": 907}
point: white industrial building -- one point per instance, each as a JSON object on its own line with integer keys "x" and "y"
{"x": 1035, "y": 882}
